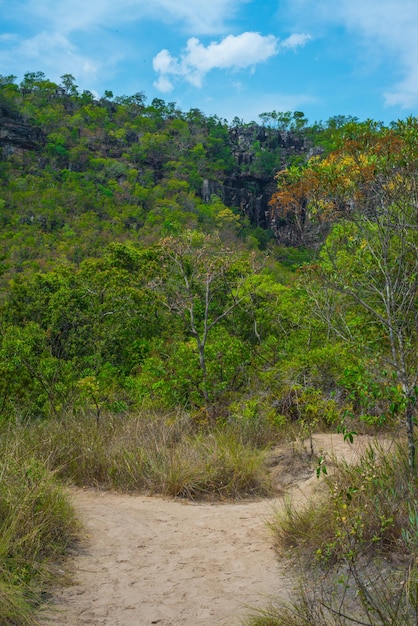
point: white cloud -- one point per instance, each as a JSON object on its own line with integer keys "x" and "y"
{"x": 405, "y": 93}
{"x": 164, "y": 63}
{"x": 233, "y": 52}
{"x": 382, "y": 32}
{"x": 295, "y": 41}
{"x": 164, "y": 84}
{"x": 197, "y": 16}
{"x": 240, "y": 52}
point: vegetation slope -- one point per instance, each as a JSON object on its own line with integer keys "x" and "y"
{"x": 154, "y": 338}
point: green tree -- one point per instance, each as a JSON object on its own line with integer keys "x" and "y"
{"x": 68, "y": 82}
{"x": 370, "y": 260}
{"x": 202, "y": 286}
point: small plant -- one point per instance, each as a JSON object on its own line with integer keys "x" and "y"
{"x": 356, "y": 546}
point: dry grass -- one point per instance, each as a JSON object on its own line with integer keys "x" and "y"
{"x": 164, "y": 454}
{"x": 355, "y": 548}
{"x": 37, "y": 524}
{"x": 161, "y": 453}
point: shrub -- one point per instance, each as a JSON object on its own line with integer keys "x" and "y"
{"x": 356, "y": 546}
{"x": 37, "y": 524}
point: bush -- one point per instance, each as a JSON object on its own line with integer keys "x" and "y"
{"x": 356, "y": 546}
{"x": 163, "y": 453}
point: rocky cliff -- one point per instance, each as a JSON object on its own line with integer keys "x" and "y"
{"x": 260, "y": 153}
{"x": 16, "y": 135}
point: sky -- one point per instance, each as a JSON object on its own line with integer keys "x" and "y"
{"x": 230, "y": 58}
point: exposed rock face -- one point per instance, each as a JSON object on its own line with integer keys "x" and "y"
{"x": 259, "y": 153}
{"x": 15, "y": 135}
{"x": 251, "y": 195}
{"x": 243, "y": 137}
{"x": 245, "y": 192}
{"x": 250, "y": 188}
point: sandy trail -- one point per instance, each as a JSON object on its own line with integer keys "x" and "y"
{"x": 154, "y": 561}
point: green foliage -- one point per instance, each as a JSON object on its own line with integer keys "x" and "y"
{"x": 293, "y": 257}
{"x": 169, "y": 376}
{"x": 257, "y": 421}
{"x": 345, "y": 540}
{"x": 125, "y": 288}
{"x": 181, "y": 319}
{"x": 285, "y": 120}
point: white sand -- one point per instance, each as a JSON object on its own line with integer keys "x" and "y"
{"x": 148, "y": 560}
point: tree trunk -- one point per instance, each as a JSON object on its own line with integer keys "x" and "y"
{"x": 409, "y": 419}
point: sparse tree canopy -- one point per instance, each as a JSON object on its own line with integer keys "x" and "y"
{"x": 368, "y": 189}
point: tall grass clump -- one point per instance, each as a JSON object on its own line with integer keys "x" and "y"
{"x": 355, "y": 547}
{"x": 161, "y": 453}
{"x": 37, "y": 524}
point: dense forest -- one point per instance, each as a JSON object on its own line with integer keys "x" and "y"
{"x": 258, "y": 277}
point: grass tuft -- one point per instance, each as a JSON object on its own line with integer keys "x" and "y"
{"x": 37, "y": 524}
{"x": 355, "y": 547}
{"x": 164, "y": 454}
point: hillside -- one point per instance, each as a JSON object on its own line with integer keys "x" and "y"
{"x": 179, "y": 294}
{"x": 79, "y": 172}
{"x": 143, "y": 258}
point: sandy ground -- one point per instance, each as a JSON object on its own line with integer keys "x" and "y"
{"x": 148, "y": 560}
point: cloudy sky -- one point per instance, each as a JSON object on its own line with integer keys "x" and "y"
{"x": 226, "y": 57}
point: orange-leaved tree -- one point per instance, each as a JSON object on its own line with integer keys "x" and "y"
{"x": 367, "y": 190}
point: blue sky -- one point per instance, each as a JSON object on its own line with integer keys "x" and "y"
{"x": 226, "y": 57}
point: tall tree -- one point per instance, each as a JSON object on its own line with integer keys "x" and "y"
{"x": 369, "y": 189}
{"x": 202, "y": 286}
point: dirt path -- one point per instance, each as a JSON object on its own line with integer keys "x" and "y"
{"x": 154, "y": 561}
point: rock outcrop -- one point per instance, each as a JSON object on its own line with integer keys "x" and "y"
{"x": 250, "y": 187}
{"x": 16, "y": 135}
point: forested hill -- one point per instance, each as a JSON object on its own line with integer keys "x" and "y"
{"x": 179, "y": 294}
{"x": 140, "y": 257}
{"x": 78, "y": 172}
